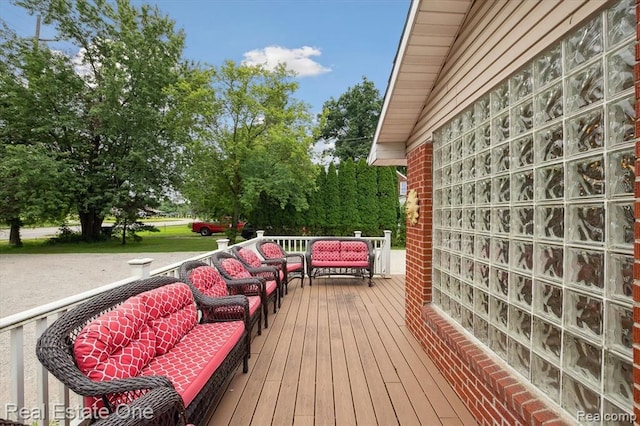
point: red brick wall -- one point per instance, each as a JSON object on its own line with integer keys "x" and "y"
{"x": 636, "y": 269}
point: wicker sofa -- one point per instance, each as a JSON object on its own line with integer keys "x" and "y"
{"x": 339, "y": 256}
{"x": 141, "y": 345}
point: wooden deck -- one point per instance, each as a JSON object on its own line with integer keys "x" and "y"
{"x": 338, "y": 353}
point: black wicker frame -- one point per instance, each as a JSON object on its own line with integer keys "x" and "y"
{"x": 269, "y": 269}
{"x": 246, "y": 287}
{"x": 265, "y": 273}
{"x": 356, "y": 271}
{"x": 55, "y": 351}
{"x": 285, "y": 257}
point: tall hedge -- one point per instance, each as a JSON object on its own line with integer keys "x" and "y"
{"x": 332, "y": 201}
{"x": 389, "y": 205}
{"x": 367, "y": 197}
{"x": 349, "y": 214}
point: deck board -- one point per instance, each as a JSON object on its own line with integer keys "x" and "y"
{"x": 338, "y": 353}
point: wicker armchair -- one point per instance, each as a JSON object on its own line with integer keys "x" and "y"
{"x": 231, "y": 268}
{"x": 258, "y": 267}
{"x": 206, "y": 283}
{"x": 294, "y": 262}
{"x": 55, "y": 350}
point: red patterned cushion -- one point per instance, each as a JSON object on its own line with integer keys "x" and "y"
{"x": 291, "y": 267}
{"x": 188, "y": 366}
{"x": 250, "y": 257}
{"x": 271, "y": 286}
{"x": 235, "y": 269}
{"x": 172, "y": 313}
{"x": 354, "y": 251}
{"x": 326, "y": 251}
{"x": 272, "y": 251}
{"x": 208, "y": 280}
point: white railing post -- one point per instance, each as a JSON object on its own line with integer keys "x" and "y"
{"x": 259, "y": 234}
{"x": 358, "y": 234}
{"x": 17, "y": 368}
{"x": 141, "y": 268}
{"x": 386, "y": 253}
{"x": 223, "y": 243}
{"x": 42, "y": 377}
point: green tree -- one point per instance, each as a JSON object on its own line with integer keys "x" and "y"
{"x": 258, "y": 148}
{"x": 350, "y": 121}
{"x": 367, "y": 197}
{"x": 389, "y": 205}
{"x": 315, "y": 215}
{"x": 119, "y": 111}
{"x": 349, "y": 214}
{"x": 331, "y": 192}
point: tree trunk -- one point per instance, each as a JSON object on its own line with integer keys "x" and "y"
{"x": 124, "y": 231}
{"x": 91, "y": 223}
{"x": 14, "y": 234}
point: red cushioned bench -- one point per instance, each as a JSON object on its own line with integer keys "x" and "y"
{"x": 339, "y": 256}
{"x": 145, "y": 344}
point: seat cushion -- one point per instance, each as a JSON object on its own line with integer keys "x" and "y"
{"x": 271, "y": 286}
{"x": 294, "y": 267}
{"x": 354, "y": 251}
{"x": 325, "y": 251}
{"x": 193, "y": 360}
{"x": 235, "y": 269}
{"x": 208, "y": 281}
{"x": 250, "y": 257}
{"x": 272, "y": 251}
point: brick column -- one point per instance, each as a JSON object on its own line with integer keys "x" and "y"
{"x": 636, "y": 251}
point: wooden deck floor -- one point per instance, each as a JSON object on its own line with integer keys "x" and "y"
{"x": 338, "y": 353}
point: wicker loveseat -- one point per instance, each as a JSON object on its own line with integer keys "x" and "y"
{"x": 141, "y": 345}
{"x": 294, "y": 262}
{"x": 339, "y": 256}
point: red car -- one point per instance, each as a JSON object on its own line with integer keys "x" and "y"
{"x": 207, "y": 228}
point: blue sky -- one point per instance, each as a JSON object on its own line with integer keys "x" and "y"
{"x": 332, "y": 44}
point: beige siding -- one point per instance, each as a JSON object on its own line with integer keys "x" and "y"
{"x": 497, "y": 38}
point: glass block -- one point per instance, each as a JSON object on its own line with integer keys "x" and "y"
{"x": 549, "y": 143}
{"x": 455, "y": 289}
{"x": 500, "y": 158}
{"x": 481, "y": 110}
{"x": 467, "y": 243}
{"x": 445, "y": 302}
{"x": 584, "y": 44}
{"x": 467, "y": 120}
{"x": 585, "y": 87}
{"x": 500, "y": 128}
{"x": 620, "y": 69}
{"x": 519, "y": 357}
{"x": 546, "y": 377}
{"x": 498, "y": 342}
{"x": 499, "y": 282}
{"x": 522, "y": 150}
{"x": 469, "y": 219}
{"x": 522, "y": 221}
{"x": 437, "y": 238}
{"x": 469, "y": 194}
{"x": 456, "y": 172}
{"x": 585, "y": 132}
{"x": 469, "y": 168}
{"x": 586, "y": 177}
{"x": 620, "y": 276}
{"x": 618, "y": 380}
{"x": 522, "y": 255}
{"x": 521, "y": 84}
{"x": 483, "y": 246}
{"x": 550, "y": 222}
{"x": 619, "y": 332}
{"x": 585, "y": 269}
{"x": 483, "y": 137}
{"x": 445, "y": 281}
{"x": 621, "y": 22}
{"x": 437, "y": 277}
{"x": 520, "y": 325}
{"x": 467, "y": 268}
{"x": 621, "y": 173}
{"x": 520, "y": 291}
{"x": 446, "y": 154}
{"x": 481, "y": 275}
{"x": 549, "y": 104}
{"x": 436, "y": 257}
{"x": 623, "y": 417}
{"x": 456, "y": 149}
{"x": 481, "y": 303}
{"x": 483, "y": 164}
{"x": 483, "y": 219}
{"x": 446, "y": 218}
{"x": 586, "y": 223}
{"x": 547, "y": 340}
{"x": 521, "y": 118}
{"x": 446, "y": 175}
{"x": 501, "y": 189}
{"x": 522, "y": 186}
{"x": 577, "y": 397}
{"x": 583, "y": 359}
{"x": 498, "y": 313}
{"x": 456, "y": 127}
{"x": 550, "y": 182}
{"x": 547, "y": 67}
{"x": 455, "y": 241}
{"x": 622, "y": 116}
{"x": 483, "y": 191}
{"x": 481, "y": 330}
{"x": 584, "y": 314}
{"x": 500, "y": 250}
{"x": 501, "y": 220}
{"x": 621, "y": 224}
{"x": 456, "y": 308}
{"x": 455, "y": 266}
{"x": 456, "y": 195}
{"x": 437, "y": 198}
{"x": 456, "y": 218}
{"x": 466, "y": 319}
{"x": 446, "y": 133}
{"x": 548, "y": 260}
{"x": 500, "y": 98}
{"x": 437, "y": 300}
{"x": 437, "y": 219}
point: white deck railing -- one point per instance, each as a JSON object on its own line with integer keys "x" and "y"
{"x": 28, "y": 393}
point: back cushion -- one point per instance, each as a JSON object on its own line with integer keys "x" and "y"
{"x": 117, "y": 344}
{"x": 272, "y": 251}
{"x": 171, "y": 312}
{"x": 326, "y": 250}
{"x": 354, "y": 251}
{"x": 235, "y": 269}
{"x": 250, "y": 257}
{"x": 208, "y": 280}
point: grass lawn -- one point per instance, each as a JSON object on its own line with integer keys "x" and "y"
{"x": 173, "y": 238}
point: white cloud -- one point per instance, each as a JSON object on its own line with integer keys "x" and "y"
{"x": 297, "y": 60}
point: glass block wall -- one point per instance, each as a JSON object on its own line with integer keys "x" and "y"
{"x": 533, "y": 217}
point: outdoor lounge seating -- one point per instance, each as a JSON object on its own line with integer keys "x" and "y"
{"x": 207, "y": 283}
{"x": 141, "y": 345}
{"x": 232, "y": 268}
{"x": 339, "y": 256}
{"x": 260, "y": 267}
{"x": 294, "y": 262}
